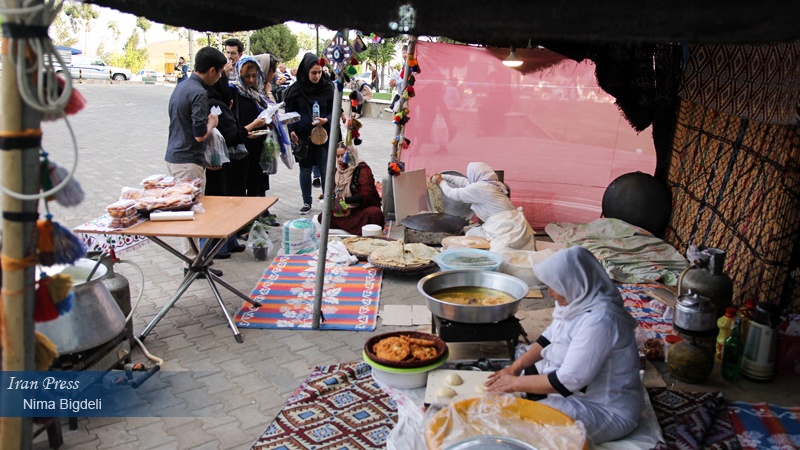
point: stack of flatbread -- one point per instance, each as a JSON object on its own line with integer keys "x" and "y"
{"x": 405, "y": 257}
{"x": 362, "y": 247}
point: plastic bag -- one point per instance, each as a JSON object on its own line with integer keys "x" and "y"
{"x": 258, "y": 240}
{"x": 269, "y": 159}
{"x": 216, "y": 150}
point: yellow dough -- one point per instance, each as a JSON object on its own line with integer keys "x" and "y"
{"x": 454, "y": 379}
{"x": 479, "y": 388}
{"x": 445, "y": 392}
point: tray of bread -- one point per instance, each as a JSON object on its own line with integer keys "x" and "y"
{"x": 401, "y": 257}
{"x": 164, "y": 193}
{"x": 362, "y": 247}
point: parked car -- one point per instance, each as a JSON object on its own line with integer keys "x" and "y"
{"x": 140, "y": 75}
{"x": 92, "y": 67}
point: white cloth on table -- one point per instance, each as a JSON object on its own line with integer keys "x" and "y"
{"x": 592, "y": 353}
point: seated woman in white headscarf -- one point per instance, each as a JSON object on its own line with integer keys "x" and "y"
{"x": 504, "y": 226}
{"x": 587, "y": 357}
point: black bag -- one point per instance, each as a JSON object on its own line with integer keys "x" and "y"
{"x": 300, "y": 150}
{"x": 237, "y": 152}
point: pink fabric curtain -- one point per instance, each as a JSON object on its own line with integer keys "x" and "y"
{"x": 558, "y": 138}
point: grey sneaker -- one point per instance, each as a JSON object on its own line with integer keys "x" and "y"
{"x": 305, "y": 209}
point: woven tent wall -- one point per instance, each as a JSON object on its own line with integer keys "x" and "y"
{"x": 735, "y": 166}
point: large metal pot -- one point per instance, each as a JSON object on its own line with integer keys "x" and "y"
{"x": 95, "y": 317}
{"x": 436, "y": 282}
{"x": 695, "y": 313}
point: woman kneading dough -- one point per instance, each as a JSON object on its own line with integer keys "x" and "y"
{"x": 587, "y": 357}
{"x": 504, "y": 226}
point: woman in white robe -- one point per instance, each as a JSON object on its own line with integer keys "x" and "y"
{"x": 504, "y": 226}
{"x": 587, "y": 357}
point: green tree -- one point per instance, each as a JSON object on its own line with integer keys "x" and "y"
{"x": 61, "y": 32}
{"x": 277, "y": 40}
{"x": 132, "y": 57}
{"x": 144, "y": 25}
{"x": 182, "y": 33}
{"x": 80, "y": 16}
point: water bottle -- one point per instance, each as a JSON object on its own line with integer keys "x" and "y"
{"x": 725, "y": 325}
{"x": 315, "y": 111}
{"x": 732, "y": 353}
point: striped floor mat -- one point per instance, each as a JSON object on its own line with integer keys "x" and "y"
{"x": 350, "y": 297}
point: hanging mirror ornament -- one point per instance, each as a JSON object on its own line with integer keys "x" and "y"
{"x": 339, "y": 53}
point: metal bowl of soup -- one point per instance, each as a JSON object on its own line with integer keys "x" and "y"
{"x": 472, "y": 296}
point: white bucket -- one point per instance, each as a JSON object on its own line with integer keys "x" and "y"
{"x": 299, "y": 237}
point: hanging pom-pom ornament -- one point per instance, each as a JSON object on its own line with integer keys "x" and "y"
{"x": 45, "y": 241}
{"x": 411, "y": 80}
{"x": 351, "y": 70}
{"x": 396, "y": 167}
{"x": 322, "y": 62}
{"x": 406, "y": 143}
{"x": 354, "y": 61}
{"x": 357, "y": 141}
{"x": 411, "y": 92}
{"x": 71, "y": 194}
{"x": 44, "y": 310}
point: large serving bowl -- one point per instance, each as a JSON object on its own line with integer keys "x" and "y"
{"x": 436, "y": 282}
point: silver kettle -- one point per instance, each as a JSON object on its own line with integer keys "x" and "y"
{"x": 695, "y": 313}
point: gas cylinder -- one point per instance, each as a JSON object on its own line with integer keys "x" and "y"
{"x": 119, "y": 287}
{"x": 708, "y": 279}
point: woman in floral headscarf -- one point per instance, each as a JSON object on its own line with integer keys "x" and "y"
{"x": 249, "y": 100}
{"x": 356, "y": 200}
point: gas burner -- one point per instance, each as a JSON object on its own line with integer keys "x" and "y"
{"x": 508, "y": 330}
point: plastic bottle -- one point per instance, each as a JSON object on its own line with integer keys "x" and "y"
{"x": 725, "y": 324}
{"x": 732, "y": 353}
{"x": 746, "y": 312}
{"x": 315, "y": 111}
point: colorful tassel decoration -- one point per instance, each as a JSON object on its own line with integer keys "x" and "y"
{"x": 322, "y": 62}
{"x": 76, "y": 100}
{"x": 60, "y": 289}
{"x": 45, "y": 233}
{"x": 44, "y": 310}
{"x": 57, "y": 245}
{"x": 410, "y": 91}
{"x": 72, "y": 193}
{"x": 45, "y": 352}
{"x": 396, "y": 167}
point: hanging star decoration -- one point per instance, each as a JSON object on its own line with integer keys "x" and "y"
{"x": 339, "y": 53}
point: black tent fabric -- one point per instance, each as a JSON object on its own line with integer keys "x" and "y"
{"x": 498, "y": 23}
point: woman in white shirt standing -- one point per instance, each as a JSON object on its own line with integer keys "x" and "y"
{"x": 587, "y": 357}
{"x": 504, "y": 226}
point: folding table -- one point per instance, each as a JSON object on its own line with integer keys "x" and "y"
{"x": 223, "y": 217}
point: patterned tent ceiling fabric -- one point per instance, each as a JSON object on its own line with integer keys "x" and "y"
{"x": 497, "y": 23}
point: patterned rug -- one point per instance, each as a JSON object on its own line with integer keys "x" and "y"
{"x": 337, "y": 407}
{"x": 350, "y": 297}
{"x": 693, "y": 420}
{"x": 637, "y": 302}
{"x": 764, "y": 426}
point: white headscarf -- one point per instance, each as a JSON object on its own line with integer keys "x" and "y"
{"x": 577, "y": 275}
{"x": 481, "y": 172}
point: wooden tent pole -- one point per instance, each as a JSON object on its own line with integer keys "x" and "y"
{"x": 19, "y": 172}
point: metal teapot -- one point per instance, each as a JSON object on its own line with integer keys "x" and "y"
{"x": 705, "y": 277}
{"x": 696, "y": 313}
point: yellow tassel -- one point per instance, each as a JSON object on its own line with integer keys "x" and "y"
{"x": 46, "y": 254}
{"x": 59, "y": 287}
{"x": 45, "y": 352}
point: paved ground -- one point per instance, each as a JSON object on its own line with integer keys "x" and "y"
{"x": 121, "y": 139}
